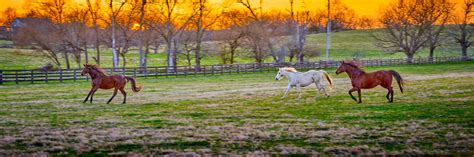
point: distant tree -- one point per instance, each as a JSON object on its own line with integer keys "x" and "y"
{"x": 438, "y": 13}
{"x": 299, "y": 25}
{"x": 229, "y": 41}
{"x": 342, "y": 16}
{"x": 43, "y": 36}
{"x": 143, "y": 56}
{"x": 407, "y": 24}
{"x": 9, "y": 14}
{"x": 77, "y": 34}
{"x": 94, "y": 12}
{"x": 256, "y": 32}
{"x": 169, "y": 24}
{"x": 113, "y": 13}
{"x": 205, "y": 17}
{"x": 186, "y": 46}
{"x": 463, "y": 32}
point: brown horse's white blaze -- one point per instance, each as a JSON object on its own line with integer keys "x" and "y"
{"x": 362, "y": 80}
{"x": 102, "y": 81}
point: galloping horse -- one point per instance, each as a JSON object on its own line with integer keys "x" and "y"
{"x": 300, "y": 79}
{"x": 362, "y": 80}
{"x": 102, "y": 81}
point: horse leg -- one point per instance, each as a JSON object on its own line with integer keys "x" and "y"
{"x": 360, "y": 99}
{"x": 350, "y": 93}
{"x": 318, "y": 88}
{"x": 92, "y": 93}
{"x": 298, "y": 88}
{"x": 391, "y": 94}
{"x": 324, "y": 90}
{"x": 124, "y": 95}
{"x": 115, "y": 93}
{"x": 286, "y": 91}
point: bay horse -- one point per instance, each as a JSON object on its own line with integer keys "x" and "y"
{"x": 103, "y": 81}
{"x": 303, "y": 79}
{"x": 363, "y": 80}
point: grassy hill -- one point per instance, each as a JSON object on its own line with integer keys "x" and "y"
{"x": 346, "y": 44}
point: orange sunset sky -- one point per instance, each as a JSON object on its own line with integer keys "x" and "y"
{"x": 368, "y": 8}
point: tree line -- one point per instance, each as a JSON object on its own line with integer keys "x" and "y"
{"x": 180, "y": 29}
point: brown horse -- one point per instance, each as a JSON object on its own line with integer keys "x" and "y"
{"x": 362, "y": 80}
{"x": 102, "y": 81}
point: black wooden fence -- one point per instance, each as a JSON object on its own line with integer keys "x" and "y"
{"x": 33, "y": 76}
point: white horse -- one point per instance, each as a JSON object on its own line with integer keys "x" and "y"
{"x": 299, "y": 79}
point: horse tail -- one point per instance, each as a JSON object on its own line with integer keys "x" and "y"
{"x": 399, "y": 79}
{"x": 135, "y": 88}
{"x": 328, "y": 78}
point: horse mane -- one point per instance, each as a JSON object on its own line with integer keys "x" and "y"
{"x": 352, "y": 64}
{"x": 98, "y": 69}
{"x": 289, "y": 69}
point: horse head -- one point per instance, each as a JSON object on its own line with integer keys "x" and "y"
{"x": 346, "y": 65}
{"x": 86, "y": 69}
{"x": 282, "y": 72}
{"x": 342, "y": 68}
{"x": 279, "y": 75}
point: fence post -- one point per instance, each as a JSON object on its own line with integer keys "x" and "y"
{"x": 205, "y": 70}
{"x": 195, "y": 70}
{"x": 60, "y": 75}
{"x": 238, "y": 68}
{"x": 156, "y": 72}
{"x": 146, "y": 72}
{"x": 75, "y": 75}
{"x": 16, "y": 77}
{"x": 1, "y": 76}
{"x": 134, "y": 72}
{"x": 176, "y": 71}
{"x": 32, "y": 77}
{"x": 186, "y": 71}
{"x": 222, "y": 69}
{"x": 46, "y": 77}
{"x": 212, "y": 69}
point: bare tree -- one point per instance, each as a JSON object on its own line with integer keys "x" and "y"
{"x": 141, "y": 40}
{"x": 255, "y": 32}
{"x": 298, "y": 26}
{"x": 438, "y": 13}
{"x": 229, "y": 40}
{"x": 113, "y": 13}
{"x": 43, "y": 36}
{"x": 169, "y": 23}
{"x": 463, "y": 32}
{"x": 94, "y": 12}
{"x": 204, "y": 19}
{"x": 55, "y": 10}
{"x": 186, "y": 46}
{"x": 9, "y": 14}
{"x": 407, "y": 25}
{"x": 77, "y": 33}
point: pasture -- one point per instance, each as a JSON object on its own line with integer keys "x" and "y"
{"x": 243, "y": 114}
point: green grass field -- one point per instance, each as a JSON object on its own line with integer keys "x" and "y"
{"x": 241, "y": 114}
{"x": 345, "y": 45}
